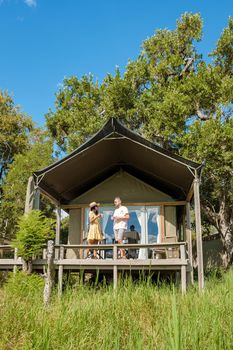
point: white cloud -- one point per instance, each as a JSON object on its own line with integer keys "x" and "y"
{"x": 30, "y": 3}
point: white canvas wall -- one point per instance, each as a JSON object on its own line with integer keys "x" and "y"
{"x": 122, "y": 184}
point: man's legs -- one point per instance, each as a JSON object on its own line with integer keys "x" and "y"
{"x": 119, "y": 233}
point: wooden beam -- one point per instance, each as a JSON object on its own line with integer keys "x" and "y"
{"x": 189, "y": 239}
{"x": 15, "y": 258}
{"x": 198, "y": 232}
{"x": 162, "y": 223}
{"x": 77, "y": 206}
{"x": 82, "y": 223}
{"x": 36, "y": 202}
{"x": 58, "y": 229}
{"x": 60, "y": 271}
{"x": 183, "y": 270}
{"x": 190, "y": 193}
{"x": 115, "y": 267}
{"x": 58, "y": 225}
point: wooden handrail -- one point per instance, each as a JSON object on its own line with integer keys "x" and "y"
{"x": 7, "y": 246}
{"x": 111, "y": 246}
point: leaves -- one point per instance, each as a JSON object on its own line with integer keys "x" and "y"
{"x": 33, "y": 231}
{"x": 15, "y": 184}
{"x": 14, "y": 129}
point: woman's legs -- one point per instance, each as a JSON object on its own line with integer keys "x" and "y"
{"x": 92, "y": 241}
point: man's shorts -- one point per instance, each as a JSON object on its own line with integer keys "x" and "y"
{"x": 119, "y": 234}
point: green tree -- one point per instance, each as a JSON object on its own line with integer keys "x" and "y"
{"x": 14, "y": 131}
{"x": 171, "y": 96}
{"x": 15, "y": 184}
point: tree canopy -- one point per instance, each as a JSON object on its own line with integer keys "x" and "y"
{"x": 14, "y": 130}
{"x": 15, "y": 184}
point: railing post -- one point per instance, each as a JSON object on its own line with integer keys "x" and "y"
{"x": 189, "y": 240}
{"x": 114, "y": 267}
{"x": 15, "y": 258}
{"x": 58, "y": 229}
{"x": 60, "y": 271}
{"x": 183, "y": 270}
{"x": 50, "y": 272}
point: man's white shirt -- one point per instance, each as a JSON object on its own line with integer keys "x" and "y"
{"x": 122, "y": 224}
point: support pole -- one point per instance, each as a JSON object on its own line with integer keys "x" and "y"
{"x": 198, "y": 232}
{"x": 60, "y": 271}
{"x": 58, "y": 225}
{"x": 30, "y": 195}
{"x": 15, "y": 258}
{"x": 114, "y": 267}
{"x": 189, "y": 239}
{"x": 36, "y": 203}
{"x": 58, "y": 229}
{"x": 183, "y": 270}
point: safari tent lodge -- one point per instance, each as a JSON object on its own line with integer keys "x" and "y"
{"x": 156, "y": 185}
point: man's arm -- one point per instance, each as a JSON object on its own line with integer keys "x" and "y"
{"x": 123, "y": 217}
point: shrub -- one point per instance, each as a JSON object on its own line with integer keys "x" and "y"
{"x": 33, "y": 231}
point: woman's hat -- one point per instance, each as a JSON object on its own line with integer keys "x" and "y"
{"x": 94, "y": 204}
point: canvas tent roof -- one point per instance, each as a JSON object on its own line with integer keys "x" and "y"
{"x": 113, "y": 148}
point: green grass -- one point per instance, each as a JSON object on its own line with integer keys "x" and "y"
{"x": 137, "y": 316}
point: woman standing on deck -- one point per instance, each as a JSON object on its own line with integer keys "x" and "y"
{"x": 95, "y": 232}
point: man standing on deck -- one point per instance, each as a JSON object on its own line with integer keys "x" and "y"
{"x": 120, "y": 219}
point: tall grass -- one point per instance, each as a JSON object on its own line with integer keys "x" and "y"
{"x": 136, "y": 316}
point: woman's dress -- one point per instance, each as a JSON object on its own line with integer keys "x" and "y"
{"x": 94, "y": 229}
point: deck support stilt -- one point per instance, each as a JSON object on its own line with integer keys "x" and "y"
{"x": 58, "y": 229}
{"x": 60, "y": 271}
{"x": 15, "y": 258}
{"x": 198, "y": 232}
{"x": 189, "y": 240}
{"x": 115, "y": 268}
{"x": 183, "y": 270}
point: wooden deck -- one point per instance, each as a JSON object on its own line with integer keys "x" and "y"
{"x": 161, "y": 260}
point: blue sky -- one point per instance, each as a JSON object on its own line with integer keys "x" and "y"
{"x": 42, "y": 41}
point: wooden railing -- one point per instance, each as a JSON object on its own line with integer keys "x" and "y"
{"x": 165, "y": 256}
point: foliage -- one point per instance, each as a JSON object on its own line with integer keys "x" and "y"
{"x": 77, "y": 115}
{"x": 14, "y": 130}
{"x": 33, "y": 231}
{"x": 136, "y": 316}
{"x": 15, "y": 184}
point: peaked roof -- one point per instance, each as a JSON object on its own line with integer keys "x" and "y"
{"x": 112, "y": 148}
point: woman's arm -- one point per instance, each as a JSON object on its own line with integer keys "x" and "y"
{"x": 93, "y": 217}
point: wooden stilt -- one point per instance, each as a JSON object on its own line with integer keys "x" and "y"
{"x": 115, "y": 267}
{"x": 15, "y": 258}
{"x": 36, "y": 203}
{"x": 58, "y": 229}
{"x": 183, "y": 270}
{"x": 60, "y": 271}
{"x": 189, "y": 240}
{"x": 198, "y": 232}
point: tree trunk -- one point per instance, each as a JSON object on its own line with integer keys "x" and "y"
{"x": 227, "y": 241}
{"x": 226, "y": 233}
{"x": 223, "y": 222}
{"x": 27, "y": 266}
